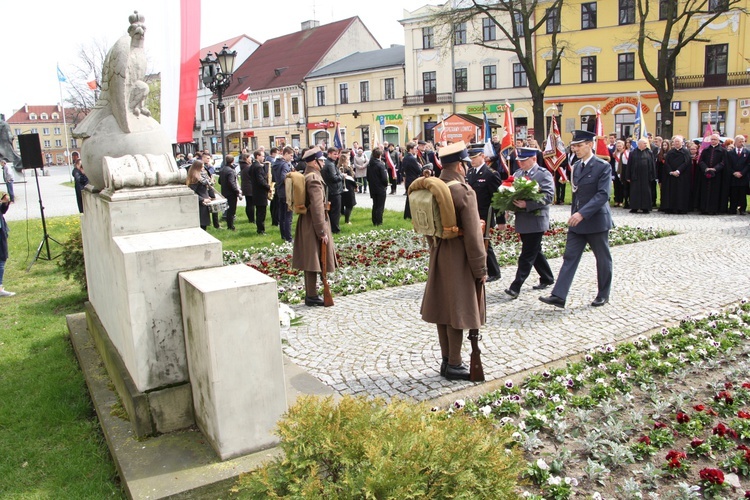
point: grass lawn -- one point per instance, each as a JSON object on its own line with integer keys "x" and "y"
{"x": 51, "y": 445}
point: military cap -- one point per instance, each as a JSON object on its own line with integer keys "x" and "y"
{"x": 455, "y": 152}
{"x": 524, "y": 153}
{"x": 312, "y": 154}
{"x": 580, "y": 136}
{"x": 476, "y": 149}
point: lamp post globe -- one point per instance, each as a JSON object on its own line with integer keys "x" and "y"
{"x": 216, "y": 74}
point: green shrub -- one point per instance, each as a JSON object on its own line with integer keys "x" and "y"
{"x": 362, "y": 448}
{"x": 72, "y": 262}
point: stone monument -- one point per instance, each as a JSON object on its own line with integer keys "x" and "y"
{"x": 140, "y": 231}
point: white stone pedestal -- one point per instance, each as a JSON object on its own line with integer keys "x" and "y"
{"x": 231, "y": 322}
{"x": 135, "y": 243}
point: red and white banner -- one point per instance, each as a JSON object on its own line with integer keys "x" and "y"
{"x": 554, "y": 151}
{"x": 508, "y": 141}
{"x": 602, "y": 151}
{"x": 180, "y": 67}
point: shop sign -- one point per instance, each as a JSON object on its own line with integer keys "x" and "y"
{"x": 249, "y": 133}
{"x": 395, "y": 119}
{"x": 209, "y": 131}
{"x": 490, "y": 108}
{"x": 623, "y": 100}
{"x": 745, "y": 103}
{"x": 318, "y": 125}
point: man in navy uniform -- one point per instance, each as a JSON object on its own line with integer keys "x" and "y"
{"x": 532, "y": 220}
{"x": 484, "y": 181}
{"x": 590, "y": 222}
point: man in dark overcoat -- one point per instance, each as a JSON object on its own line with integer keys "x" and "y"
{"x": 411, "y": 169}
{"x": 260, "y": 186}
{"x": 484, "y": 181}
{"x": 590, "y": 222}
{"x": 711, "y": 166}
{"x": 738, "y": 160}
{"x": 675, "y": 197}
{"x": 334, "y": 179}
{"x": 532, "y": 220}
{"x": 313, "y": 228}
{"x": 377, "y": 179}
{"x": 246, "y": 187}
{"x": 229, "y": 189}
{"x": 454, "y": 292}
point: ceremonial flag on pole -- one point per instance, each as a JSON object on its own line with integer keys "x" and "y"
{"x": 389, "y": 164}
{"x": 337, "y": 143}
{"x": 441, "y": 131}
{"x": 707, "y": 134}
{"x": 180, "y": 44}
{"x": 91, "y": 81}
{"x": 639, "y": 129}
{"x": 60, "y": 77}
{"x": 244, "y": 95}
{"x": 554, "y": 151}
{"x": 602, "y": 151}
{"x": 509, "y": 126}
{"x": 489, "y": 152}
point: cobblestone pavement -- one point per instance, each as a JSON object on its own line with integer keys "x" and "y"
{"x": 376, "y": 344}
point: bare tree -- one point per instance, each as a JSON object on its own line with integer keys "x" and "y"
{"x": 684, "y": 22}
{"x": 90, "y": 62}
{"x": 519, "y": 38}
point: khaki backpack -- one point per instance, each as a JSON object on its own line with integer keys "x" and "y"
{"x": 432, "y": 210}
{"x": 296, "y": 196}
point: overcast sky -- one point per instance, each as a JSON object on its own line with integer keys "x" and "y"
{"x": 39, "y": 34}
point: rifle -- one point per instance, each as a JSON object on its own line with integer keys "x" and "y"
{"x": 487, "y": 229}
{"x": 327, "y": 297}
{"x": 476, "y": 371}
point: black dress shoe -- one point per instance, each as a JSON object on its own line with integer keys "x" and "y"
{"x": 460, "y": 372}
{"x": 512, "y": 293}
{"x": 314, "y": 301}
{"x": 553, "y": 300}
{"x": 443, "y": 366}
{"x": 490, "y": 279}
{"x": 599, "y": 301}
{"x": 542, "y": 286}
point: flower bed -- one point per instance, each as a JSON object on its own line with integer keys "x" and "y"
{"x": 665, "y": 416}
{"x": 385, "y": 258}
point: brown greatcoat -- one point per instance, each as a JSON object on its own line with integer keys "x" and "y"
{"x": 452, "y": 295}
{"x": 312, "y": 226}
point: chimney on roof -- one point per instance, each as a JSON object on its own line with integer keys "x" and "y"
{"x": 308, "y": 25}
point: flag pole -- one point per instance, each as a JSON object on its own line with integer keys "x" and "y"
{"x": 65, "y": 128}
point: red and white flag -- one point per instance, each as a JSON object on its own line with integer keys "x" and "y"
{"x": 244, "y": 95}
{"x": 509, "y": 127}
{"x": 707, "y": 135}
{"x": 91, "y": 81}
{"x": 180, "y": 44}
{"x": 602, "y": 151}
{"x": 554, "y": 151}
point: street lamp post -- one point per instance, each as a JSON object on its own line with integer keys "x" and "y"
{"x": 559, "y": 113}
{"x": 216, "y": 74}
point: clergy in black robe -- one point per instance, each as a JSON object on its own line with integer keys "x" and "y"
{"x": 738, "y": 165}
{"x": 675, "y": 184}
{"x": 640, "y": 173}
{"x": 710, "y": 171}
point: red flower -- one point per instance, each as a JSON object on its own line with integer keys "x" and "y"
{"x": 674, "y": 464}
{"x": 674, "y": 455}
{"x": 747, "y": 494}
{"x": 746, "y": 385}
{"x": 742, "y": 447}
{"x": 726, "y": 396}
{"x": 727, "y": 385}
{"x": 659, "y": 425}
{"x": 645, "y": 440}
{"x": 722, "y": 430}
{"x": 682, "y": 418}
{"x": 696, "y": 442}
{"x": 713, "y": 476}
{"x": 743, "y": 414}
{"x": 508, "y": 181}
{"x": 699, "y": 407}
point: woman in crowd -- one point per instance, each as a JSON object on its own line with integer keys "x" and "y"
{"x": 4, "y": 205}
{"x": 80, "y": 180}
{"x": 359, "y": 161}
{"x": 202, "y": 187}
{"x": 349, "y": 196}
{"x": 661, "y": 169}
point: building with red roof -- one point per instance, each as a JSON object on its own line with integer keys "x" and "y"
{"x": 47, "y": 121}
{"x": 274, "y": 111}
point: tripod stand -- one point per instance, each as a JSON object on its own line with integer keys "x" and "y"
{"x": 46, "y": 237}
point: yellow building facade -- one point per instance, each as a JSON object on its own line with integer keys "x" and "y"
{"x": 363, "y": 94}
{"x": 600, "y": 70}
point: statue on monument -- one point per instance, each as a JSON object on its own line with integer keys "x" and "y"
{"x": 6, "y": 144}
{"x": 120, "y": 124}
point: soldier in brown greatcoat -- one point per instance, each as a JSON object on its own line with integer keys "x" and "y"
{"x": 313, "y": 228}
{"x": 454, "y": 293}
